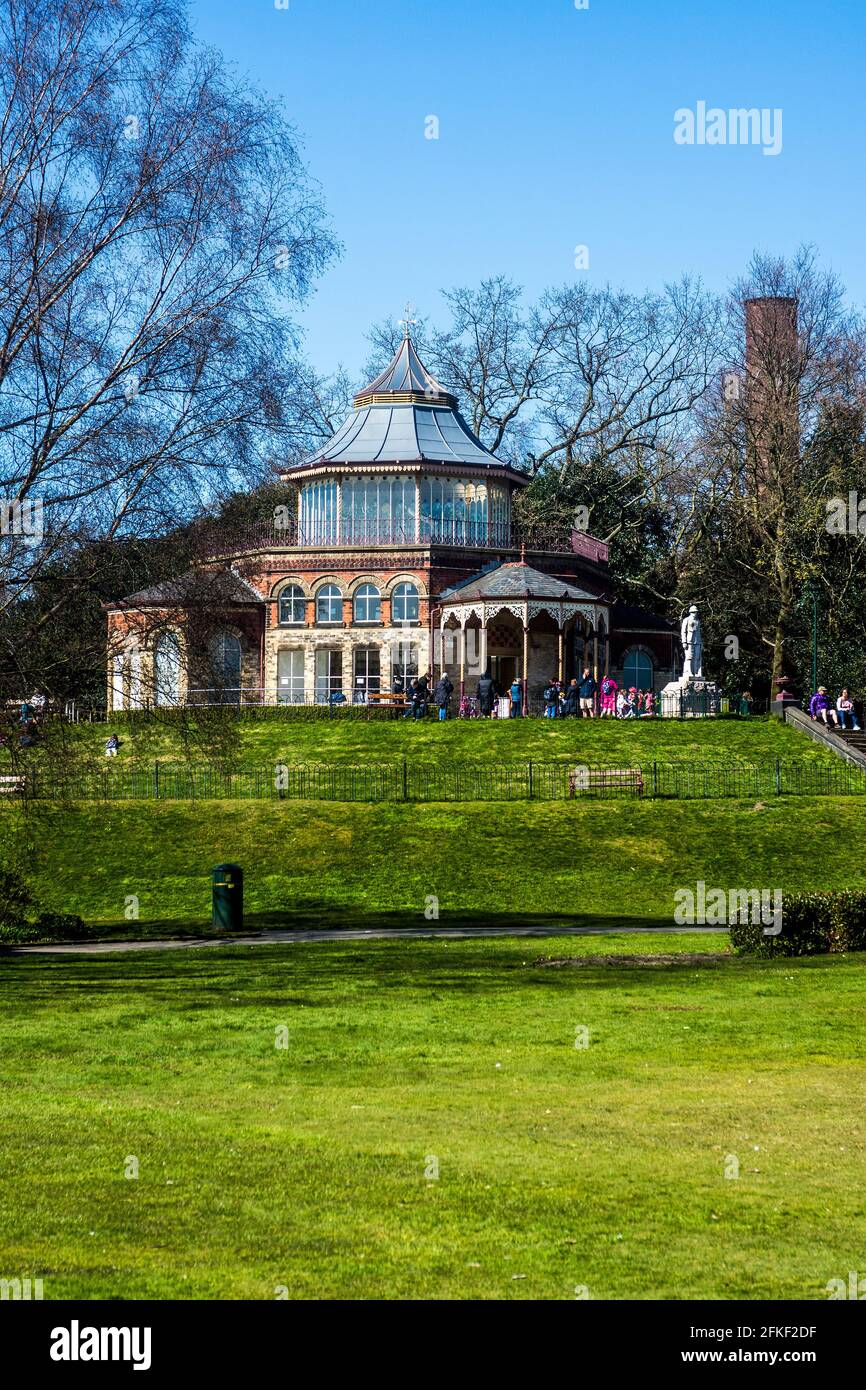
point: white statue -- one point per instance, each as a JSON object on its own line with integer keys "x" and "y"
{"x": 693, "y": 645}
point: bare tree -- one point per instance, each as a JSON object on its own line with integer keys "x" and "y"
{"x": 493, "y": 354}
{"x": 157, "y": 225}
{"x": 796, "y": 357}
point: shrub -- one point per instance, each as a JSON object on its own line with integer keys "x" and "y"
{"x": 18, "y": 933}
{"x": 61, "y": 926}
{"x": 812, "y": 924}
{"x": 15, "y": 899}
{"x": 21, "y": 921}
{"x": 281, "y": 714}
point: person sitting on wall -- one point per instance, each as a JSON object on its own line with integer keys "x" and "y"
{"x": 516, "y": 694}
{"x": 820, "y": 708}
{"x": 629, "y": 704}
{"x": 845, "y": 711}
{"x": 336, "y": 697}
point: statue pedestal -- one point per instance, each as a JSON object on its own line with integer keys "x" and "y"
{"x": 691, "y": 697}
{"x": 784, "y": 701}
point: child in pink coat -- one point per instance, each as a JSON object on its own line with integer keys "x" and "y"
{"x": 609, "y": 688}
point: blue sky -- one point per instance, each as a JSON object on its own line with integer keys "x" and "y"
{"x": 555, "y": 130}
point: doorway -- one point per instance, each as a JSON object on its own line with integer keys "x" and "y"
{"x": 503, "y": 669}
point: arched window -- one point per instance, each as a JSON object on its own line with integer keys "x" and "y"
{"x": 329, "y": 604}
{"x": 225, "y": 665}
{"x": 637, "y": 669}
{"x": 118, "y": 666}
{"x": 368, "y": 604}
{"x": 167, "y": 667}
{"x": 135, "y": 678}
{"x": 292, "y": 605}
{"x": 404, "y": 604}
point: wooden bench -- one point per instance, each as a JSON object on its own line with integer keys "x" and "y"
{"x": 385, "y": 697}
{"x": 13, "y": 784}
{"x": 600, "y": 780}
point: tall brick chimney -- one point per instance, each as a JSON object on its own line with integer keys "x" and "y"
{"x": 771, "y": 385}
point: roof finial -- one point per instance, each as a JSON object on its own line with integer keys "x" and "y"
{"x": 523, "y": 552}
{"x": 408, "y": 321}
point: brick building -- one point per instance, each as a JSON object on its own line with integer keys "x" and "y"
{"x": 396, "y": 553}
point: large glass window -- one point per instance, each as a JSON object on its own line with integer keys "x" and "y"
{"x": 118, "y": 665}
{"x": 463, "y": 512}
{"x": 637, "y": 670}
{"x": 367, "y": 673}
{"x": 329, "y": 604}
{"x": 368, "y": 604}
{"x": 404, "y": 661}
{"x": 135, "y": 679}
{"x": 290, "y": 676}
{"x": 329, "y": 675}
{"x": 404, "y": 604}
{"x": 378, "y": 510}
{"x": 318, "y": 513}
{"x": 292, "y": 605}
{"x": 167, "y": 667}
{"x": 225, "y": 666}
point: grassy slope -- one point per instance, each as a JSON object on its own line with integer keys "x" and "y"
{"x": 356, "y": 863}
{"x": 558, "y": 1166}
{"x": 262, "y": 742}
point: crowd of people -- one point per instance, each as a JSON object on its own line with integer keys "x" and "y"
{"x": 842, "y": 715}
{"x": 582, "y": 697}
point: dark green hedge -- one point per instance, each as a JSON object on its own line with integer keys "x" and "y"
{"x": 813, "y": 924}
{"x": 303, "y": 714}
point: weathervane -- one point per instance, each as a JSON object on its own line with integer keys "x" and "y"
{"x": 408, "y": 321}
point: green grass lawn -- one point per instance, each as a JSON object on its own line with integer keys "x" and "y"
{"x": 314, "y": 863}
{"x": 258, "y": 742}
{"x": 559, "y": 1168}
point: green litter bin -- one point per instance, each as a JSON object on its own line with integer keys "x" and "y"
{"x": 228, "y": 897}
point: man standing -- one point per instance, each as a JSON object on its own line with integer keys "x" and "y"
{"x": 486, "y": 693}
{"x": 420, "y": 698}
{"x": 587, "y": 689}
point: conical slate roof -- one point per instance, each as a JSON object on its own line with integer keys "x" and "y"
{"x": 405, "y": 416}
{"x": 406, "y": 374}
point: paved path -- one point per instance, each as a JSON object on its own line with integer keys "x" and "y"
{"x": 277, "y": 938}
